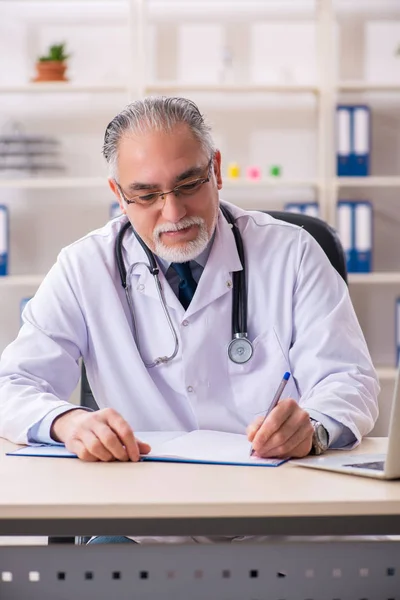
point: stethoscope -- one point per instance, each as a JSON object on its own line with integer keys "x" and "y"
{"x": 240, "y": 348}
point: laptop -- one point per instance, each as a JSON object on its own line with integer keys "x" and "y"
{"x": 379, "y": 466}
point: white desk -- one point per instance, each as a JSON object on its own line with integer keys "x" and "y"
{"x": 48, "y": 496}
{"x": 40, "y": 496}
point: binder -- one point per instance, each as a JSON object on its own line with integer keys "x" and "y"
{"x": 4, "y": 240}
{"x": 343, "y": 140}
{"x": 22, "y": 304}
{"x": 311, "y": 209}
{"x": 115, "y": 210}
{"x": 361, "y": 137}
{"x": 345, "y": 229}
{"x": 354, "y": 226}
{"x": 353, "y": 128}
{"x": 363, "y": 218}
{"x": 306, "y": 208}
{"x": 397, "y": 331}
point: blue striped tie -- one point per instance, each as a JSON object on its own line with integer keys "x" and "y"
{"x": 187, "y": 285}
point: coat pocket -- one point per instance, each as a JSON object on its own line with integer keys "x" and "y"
{"x": 253, "y": 384}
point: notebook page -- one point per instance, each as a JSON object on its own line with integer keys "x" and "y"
{"x": 212, "y": 446}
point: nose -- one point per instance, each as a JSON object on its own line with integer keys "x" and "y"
{"x": 173, "y": 210}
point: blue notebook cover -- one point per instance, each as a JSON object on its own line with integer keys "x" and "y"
{"x": 196, "y": 447}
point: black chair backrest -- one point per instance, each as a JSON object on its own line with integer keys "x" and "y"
{"x": 325, "y": 235}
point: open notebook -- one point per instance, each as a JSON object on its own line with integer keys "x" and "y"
{"x": 200, "y": 446}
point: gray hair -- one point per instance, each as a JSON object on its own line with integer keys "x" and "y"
{"x": 157, "y": 113}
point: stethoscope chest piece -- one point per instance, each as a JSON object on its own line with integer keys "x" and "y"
{"x": 240, "y": 350}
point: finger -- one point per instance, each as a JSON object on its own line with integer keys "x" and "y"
{"x": 299, "y": 442}
{"x": 253, "y": 428}
{"x": 110, "y": 441}
{"x": 124, "y": 433}
{"x": 80, "y": 450}
{"x": 144, "y": 447}
{"x": 275, "y": 421}
{"x": 95, "y": 446}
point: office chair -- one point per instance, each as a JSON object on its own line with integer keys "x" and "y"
{"x": 323, "y": 233}
{"x": 329, "y": 241}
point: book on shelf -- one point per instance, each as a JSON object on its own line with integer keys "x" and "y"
{"x": 306, "y": 208}
{"x": 354, "y": 226}
{"x": 353, "y": 134}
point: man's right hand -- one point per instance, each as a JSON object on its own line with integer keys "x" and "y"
{"x": 101, "y": 435}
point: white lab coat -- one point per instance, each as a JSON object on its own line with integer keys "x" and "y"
{"x": 300, "y": 319}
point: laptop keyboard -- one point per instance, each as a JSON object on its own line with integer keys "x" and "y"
{"x": 378, "y": 465}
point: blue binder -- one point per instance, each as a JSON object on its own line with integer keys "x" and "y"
{"x": 345, "y": 229}
{"x": 363, "y": 221}
{"x": 354, "y": 226}
{"x": 4, "y": 240}
{"x": 353, "y": 126}
{"x": 22, "y": 304}
{"x": 343, "y": 140}
{"x": 361, "y": 141}
{"x": 115, "y": 210}
{"x": 307, "y": 208}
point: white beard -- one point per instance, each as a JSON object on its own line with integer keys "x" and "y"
{"x": 186, "y": 252}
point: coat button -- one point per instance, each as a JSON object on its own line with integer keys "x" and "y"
{"x": 189, "y": 388}
{"x": 185, "y": 323}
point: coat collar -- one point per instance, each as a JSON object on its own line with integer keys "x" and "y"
{"x": 216, "y": 279}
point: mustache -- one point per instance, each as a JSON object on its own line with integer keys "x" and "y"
{"x": 182, "y": 224}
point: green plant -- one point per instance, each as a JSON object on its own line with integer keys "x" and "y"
{"x": 56, "y": 53}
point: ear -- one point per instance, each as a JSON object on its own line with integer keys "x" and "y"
{"x": 116, "y": 192}
{"x": 217, "y": 168}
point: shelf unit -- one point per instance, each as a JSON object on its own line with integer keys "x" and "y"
{"x": 325, "y": 93}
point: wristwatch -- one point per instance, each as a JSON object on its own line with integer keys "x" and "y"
{"x": 320, "y": 439}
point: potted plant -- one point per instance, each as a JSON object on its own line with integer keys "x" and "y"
{"x": 52, "y": 66}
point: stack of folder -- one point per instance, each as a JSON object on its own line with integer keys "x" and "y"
{"x": 354, "y": 226}
{"x": 307, "y": 208}
{"x": 353, "y": 127}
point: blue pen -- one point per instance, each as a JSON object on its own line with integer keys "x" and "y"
{"x": 275, "y": 400}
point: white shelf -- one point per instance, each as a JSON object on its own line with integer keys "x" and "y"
{"x": 54, "y": 182}
{"x": 365, "y": 86}
{"x": 63, "y": 87}
{"x": 269, "y": 182}
{"x": 177, "y": 86}
{"x": 367, "y": 182}
{"x": 386, "y": 373}
{"x": 374, "y": 278}
{"x": 151, "y": 88}
{"x": 21, "y": 280}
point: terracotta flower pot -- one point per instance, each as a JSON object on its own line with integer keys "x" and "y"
{"x": 50, "y": 70}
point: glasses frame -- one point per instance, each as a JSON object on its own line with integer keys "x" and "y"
{"x": 175, "y": 190}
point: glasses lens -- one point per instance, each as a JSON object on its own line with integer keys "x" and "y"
{"x": 190, "y": 188}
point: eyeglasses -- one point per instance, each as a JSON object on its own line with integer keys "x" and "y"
{"x": 189, "y": 188}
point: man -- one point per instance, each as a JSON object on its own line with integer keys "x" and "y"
{"x": 166, "y": 175}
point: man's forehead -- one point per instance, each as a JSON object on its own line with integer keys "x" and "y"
{"x": 155, "y": 151}
{"x": 177, "y": 135}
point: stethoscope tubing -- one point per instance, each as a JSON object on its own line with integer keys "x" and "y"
{"x": 239, "y": 295}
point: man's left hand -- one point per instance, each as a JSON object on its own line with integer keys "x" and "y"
{"x": 286, "y": 432}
